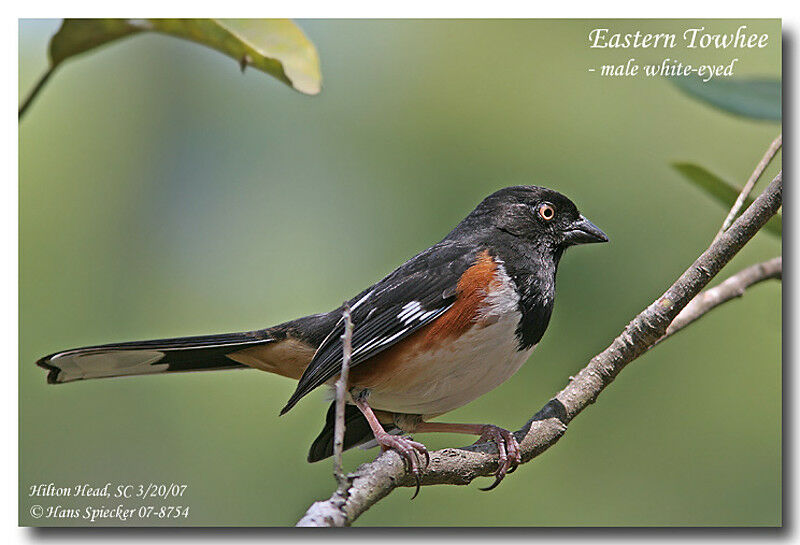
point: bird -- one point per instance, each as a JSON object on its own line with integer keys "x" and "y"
{"x": 447, "y": 326}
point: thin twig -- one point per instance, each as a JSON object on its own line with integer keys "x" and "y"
{"x": 371, "y": 482}
{"x": 341, "y": 394}
{"x": 731, "y": 288}
{"x": 751, "y": 182}
{"x": 35, "y": 91}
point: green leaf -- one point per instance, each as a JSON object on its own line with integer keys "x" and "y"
{"x": 753, "y": 98}
{"x": 275, "y": 46}
{"x": 722, "y": 191}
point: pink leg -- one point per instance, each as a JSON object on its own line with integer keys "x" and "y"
{"x": 507, "y": 445}
{"x": 408, "y": 450}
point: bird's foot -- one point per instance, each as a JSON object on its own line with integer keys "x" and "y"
{"x": 507, "y": 447}
{"x": 409, "y": 450}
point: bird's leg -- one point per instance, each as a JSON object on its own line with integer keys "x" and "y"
{"x": 408, "y": 449}
{"x": 507, "y": 445}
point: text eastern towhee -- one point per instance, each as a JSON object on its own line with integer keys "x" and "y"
{"x": 444, "y": 328}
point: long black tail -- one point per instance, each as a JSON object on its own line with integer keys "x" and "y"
{"x": 203, "y": 353}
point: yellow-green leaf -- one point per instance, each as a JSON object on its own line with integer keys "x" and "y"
{"x": 76, "y": 36}
{"x": 275, "y": 46}
{"x": 722, "y": 191}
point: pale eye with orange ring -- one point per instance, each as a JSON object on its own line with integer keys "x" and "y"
{"x": 547, "y": 211}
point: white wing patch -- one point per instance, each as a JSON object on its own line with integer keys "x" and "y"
{"x": 413, "y": 312}
{"x": 410, "y": 313}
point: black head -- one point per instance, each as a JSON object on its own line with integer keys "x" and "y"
{"x": 536, "y": 215}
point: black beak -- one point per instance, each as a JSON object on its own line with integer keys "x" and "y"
{"x": 583, "y": 231}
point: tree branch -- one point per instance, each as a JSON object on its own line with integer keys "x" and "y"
{"x": 751, "y": 182}
{"x": 341, "y": 394}
{"x": 372, "y": 481}
{"x": 731, "y": 288}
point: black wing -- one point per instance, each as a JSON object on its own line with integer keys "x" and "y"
{"x": 418, "y": 292}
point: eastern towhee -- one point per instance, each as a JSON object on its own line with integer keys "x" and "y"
{"x": 444, "y": 328}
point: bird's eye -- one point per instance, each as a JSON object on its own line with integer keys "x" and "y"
{"x": 547, "y": 211}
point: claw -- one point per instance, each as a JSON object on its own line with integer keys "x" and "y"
{"x": 419, "y": 447}
{"x": 508, "y": 449}
{"x": 493, "y": 485}
{"x": 409, "y": 450}
{"x": 416, "y": 479}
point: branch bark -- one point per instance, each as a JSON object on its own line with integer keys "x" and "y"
{"x": 370, "y": 482}
{"x": 733, "y": 287}
{"x": 341, "y": 394}
{"x": 751, "y": 182}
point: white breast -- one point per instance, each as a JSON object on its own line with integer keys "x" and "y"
{"x": 476, "y": 362}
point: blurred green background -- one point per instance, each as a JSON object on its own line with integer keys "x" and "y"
{"x": 164, "y": 194}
